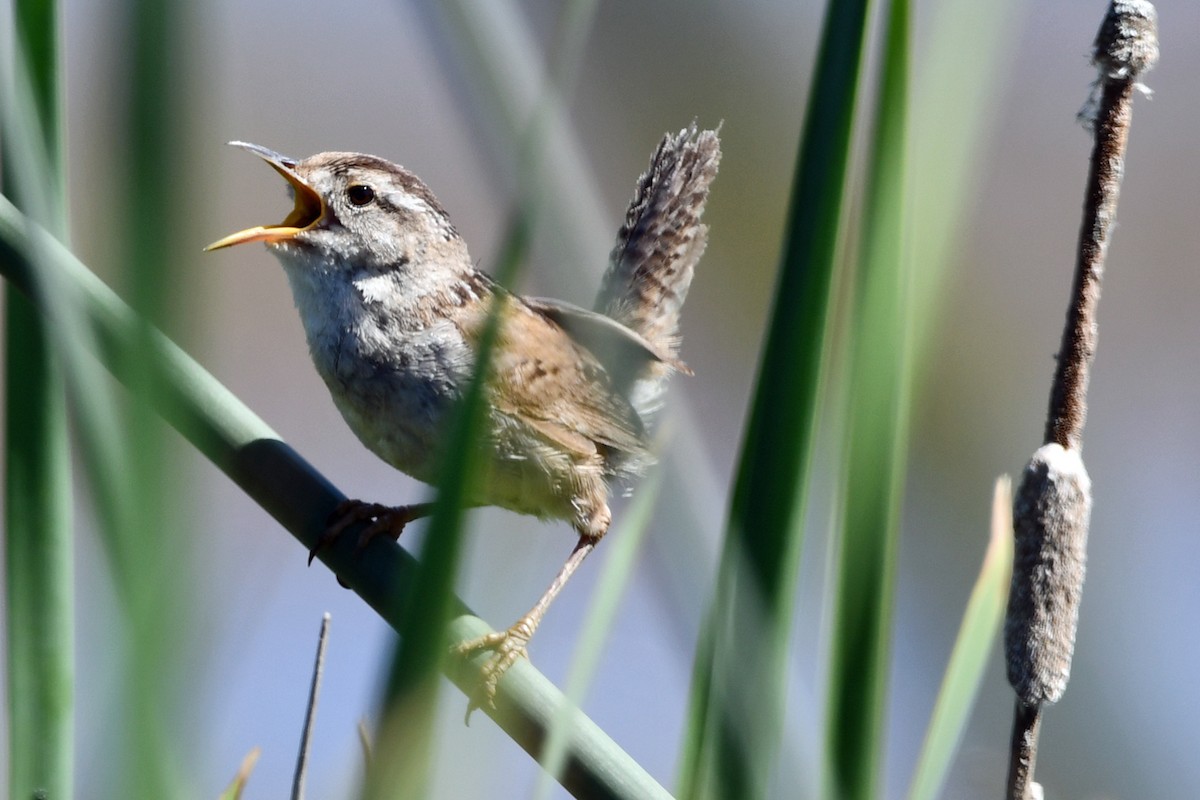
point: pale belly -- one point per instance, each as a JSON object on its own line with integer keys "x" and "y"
{"x": 401, "y": 407}
{"x": 398, "y": 384}
{"x": 398, "y": 397}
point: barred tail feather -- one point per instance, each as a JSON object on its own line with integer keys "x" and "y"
{"x": 655, "y": 256}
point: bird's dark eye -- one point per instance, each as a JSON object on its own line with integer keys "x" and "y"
{"x": 360, "y": 194}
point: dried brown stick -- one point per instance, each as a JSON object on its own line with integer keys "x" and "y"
{"x": 1027, "y": 723}
{"x": 1052, "y": 506}
{"x": 310, "y": 712}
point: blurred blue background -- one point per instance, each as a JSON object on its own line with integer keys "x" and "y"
{"x": 395, "y": 80}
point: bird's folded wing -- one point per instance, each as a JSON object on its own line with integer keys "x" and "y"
{"x": 562, "y": 392}
{"x": 604, "y": 336}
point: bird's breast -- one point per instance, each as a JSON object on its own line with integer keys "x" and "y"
{"x": 395, "y": 376}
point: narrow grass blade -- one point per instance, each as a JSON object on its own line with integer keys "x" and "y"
{"x": 401, "y": 769}
{"x": 876, "y": 442}
{"x": 151, "y": 201}
{"x": 968, "y": 660}
{"x": 968, "y": 48}
{"x": 734, "y": 719}
{"x": 412, "y": 685}
{"x": 519, "y": 101}
{"x": 238, "y": 784}
{"x": 39, "y": 572}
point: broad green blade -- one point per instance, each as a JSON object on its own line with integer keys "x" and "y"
{"x": 151, "y": 203}
{"x": 38, "y": 555}
{"x": 976, "y": 638}
{"x": 734, "y": 720}
{"x": 878, "y": 396}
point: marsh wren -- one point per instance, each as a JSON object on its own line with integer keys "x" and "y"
{"x": 394, "y": 310}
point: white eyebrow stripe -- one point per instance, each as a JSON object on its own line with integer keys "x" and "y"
{"x": 408, "y": 202}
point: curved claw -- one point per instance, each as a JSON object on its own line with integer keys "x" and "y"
{"x": 506, "y": 646}
{"x": 385, "y": 520}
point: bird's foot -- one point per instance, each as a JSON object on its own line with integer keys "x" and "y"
{"x": 506, "y": 646}
{"x": 385, "y": 521}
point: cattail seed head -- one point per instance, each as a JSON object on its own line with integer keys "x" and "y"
{"x": 1127, "y": 44}
{"x": 1051, "y": 512}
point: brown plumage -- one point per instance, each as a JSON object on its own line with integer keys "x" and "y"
{"x": 393, "y": 310}
{"x": 656, "y": 252}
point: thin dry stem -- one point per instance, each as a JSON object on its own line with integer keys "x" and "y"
{"x": 1068, "y": 398}
{"x": 1053, "y": 504}
{"x": 1125, "y": 48}
{"x": 1027, "y": 723}
{"x": 310, "y": 713}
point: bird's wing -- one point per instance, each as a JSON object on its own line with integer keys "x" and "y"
{"x": 560, "y": 390}
{"x": 606, "y": 338}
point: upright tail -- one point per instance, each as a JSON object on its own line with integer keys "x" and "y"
{"x": 652, "y": 264}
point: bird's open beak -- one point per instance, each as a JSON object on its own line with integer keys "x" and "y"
{"x": 307, "y": 211}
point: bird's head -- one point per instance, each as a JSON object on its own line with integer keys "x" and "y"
{"x": 350, "y": 211}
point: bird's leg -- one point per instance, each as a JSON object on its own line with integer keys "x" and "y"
{"x": 509, "y": 645}
{"x": 385, "y": 520}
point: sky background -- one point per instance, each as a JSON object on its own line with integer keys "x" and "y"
{"x": 392, "y": 79}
